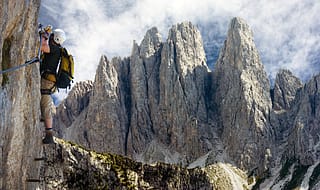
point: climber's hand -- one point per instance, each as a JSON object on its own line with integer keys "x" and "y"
{"x": 44, "y": 35}
{"x": 48, "y": 29}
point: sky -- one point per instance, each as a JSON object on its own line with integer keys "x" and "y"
{"x": 286, "y": 33}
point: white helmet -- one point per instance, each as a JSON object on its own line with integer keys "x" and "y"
{"x": 59, "y": 36}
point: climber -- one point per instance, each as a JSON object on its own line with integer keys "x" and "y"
{"x": 50, "y": 47}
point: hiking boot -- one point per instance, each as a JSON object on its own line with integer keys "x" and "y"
{"x": 48, "y": 139}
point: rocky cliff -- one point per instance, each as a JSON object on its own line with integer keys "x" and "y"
{"x": 163, "y": 104}
{"x": 19, "y": 93}
{"x": 304, "y": 139}
{"x": 242, "y": 95}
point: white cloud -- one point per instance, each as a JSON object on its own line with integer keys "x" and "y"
{"x": 286, "y": 32}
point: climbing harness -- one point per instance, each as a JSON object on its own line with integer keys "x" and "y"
{"x": 29, "y": 62}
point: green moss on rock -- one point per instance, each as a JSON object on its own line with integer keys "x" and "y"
{"x": 85, "y": 169}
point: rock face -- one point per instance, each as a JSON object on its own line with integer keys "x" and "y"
{"x": 71, "y": 108}
{"x": 243, "y": 99}
{"x": 283, "y": 94}
{"x": 304, "y": 137}
{"x": 19, "y": 93}
{"x": 183, "y": 73}
{"x": 151, "y": 106}
{"x": 163, "y": 104}
{"x": 285, "y": 89}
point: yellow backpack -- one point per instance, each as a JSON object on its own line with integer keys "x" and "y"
{"x": 66, "y": 70}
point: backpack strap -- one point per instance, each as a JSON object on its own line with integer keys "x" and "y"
{"x": 60, "y": 59}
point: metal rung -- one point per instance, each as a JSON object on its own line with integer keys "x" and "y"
{"x": 40, "y": 159}
{"x": 33, "y": 180}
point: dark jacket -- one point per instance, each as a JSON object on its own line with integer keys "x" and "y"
{"x": 51, "y": 60}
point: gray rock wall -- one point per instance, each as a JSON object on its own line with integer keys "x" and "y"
{"x": 243, "y": 99}
{"x": 19, "y": 94}
{"x": 285, "y": 89}
{"x": 304, "y": 138}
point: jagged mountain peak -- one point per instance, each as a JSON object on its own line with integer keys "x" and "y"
{"x": 150, "y": 43}
{"x": 159, "y": 94}
{"x": 102, "y": 68}
{"x": 285, "y": 89}
{"x": 184, "y": 30}
{"x": 243, "y": 98}
{"x": 240, "y": 26}
{"x": 305, "y": 123}
{"x": 240, "y": 42}
{"x": 188, "y": 47}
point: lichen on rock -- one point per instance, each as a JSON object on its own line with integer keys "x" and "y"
{"x": 79, "y": 168}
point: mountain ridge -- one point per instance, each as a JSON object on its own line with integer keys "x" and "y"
{"x": 159, "y": 80}
{"x": 163, "y": 104}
